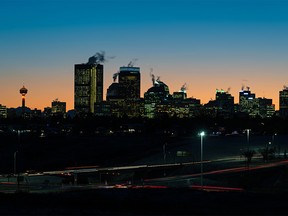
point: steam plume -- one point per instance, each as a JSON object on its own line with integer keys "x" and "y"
{"x": 115, "y": 75}
{"x": 183, "y": 88}
{"x": 131, "y": 63}
{"x": 152, "y": 76}
{"x": 98, "y": 58}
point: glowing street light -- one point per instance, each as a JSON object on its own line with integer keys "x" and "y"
{"x": 248, "y": 138}
{"x": 274, "y": 143}
{"x": 202, "y": 134}
{"x": 164, "y": 156}
{"x": 15, "y": 162}
{"x": 16, "y": 152}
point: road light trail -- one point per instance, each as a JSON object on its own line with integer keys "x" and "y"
{"x": 229, "y": 170}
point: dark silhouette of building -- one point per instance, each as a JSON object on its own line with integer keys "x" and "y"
{"x": 123, "y": 98}
{"x": 266, "y": 107}
{"x": 58, "y": 108}
{"x": 224, "y": 103}
{"x": 248, "y": 103}
{"x": 88, "y": 86}
{"x": 129, "y": 83}
{"x": 113, "y": 92}
{"x": 159, "y": 102}
{"x": 283, "y": 102}
{"x": 181, "y": 95}
{"x": 3, "y": 111}
{"x": 156, "y": 99}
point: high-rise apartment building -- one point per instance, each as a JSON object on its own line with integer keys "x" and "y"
{"x": 283, "y": 102}
{"x": 88, "y": 86}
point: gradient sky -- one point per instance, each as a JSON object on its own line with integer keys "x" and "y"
{"x": 207, "y": 44}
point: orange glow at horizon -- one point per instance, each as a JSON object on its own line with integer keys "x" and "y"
{"x": 200, "y": 85}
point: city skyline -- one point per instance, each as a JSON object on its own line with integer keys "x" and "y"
{"x": 207, "y": 44}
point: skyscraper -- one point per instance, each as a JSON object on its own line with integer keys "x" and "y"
{"x": 129, "y": 83}
{"x": 283, "y": 102}
{"x": 225, "y": 103}
{"x": 156, "y": 96}
{"x": 88, "y": 86}
{"x": 58, "y": 107}
{"x": 3, "y": 111}
{"x": 248, "y": 103}
{"x": 266, "y": 107}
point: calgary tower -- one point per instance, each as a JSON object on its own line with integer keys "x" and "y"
{"x": 23, "y": 92}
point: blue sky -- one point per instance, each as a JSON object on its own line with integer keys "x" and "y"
{"x": 207, "y": 44}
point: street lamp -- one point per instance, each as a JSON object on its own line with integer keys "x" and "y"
{"x": 248, "y": 138}
{"x": 15, "y": 162}
{"x": 202, "y": 134}
{"x": 16, "y": 152}
{"x": 274, "y": 143}
{"x": 164, "y": 153}
{"x": 164, "y": 156}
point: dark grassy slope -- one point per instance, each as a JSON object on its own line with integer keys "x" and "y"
{"x": 144, "y": 202}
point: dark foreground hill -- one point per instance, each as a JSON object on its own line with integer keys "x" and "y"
{"x": 56, "y": 153}
{"x": 144, "y": 202}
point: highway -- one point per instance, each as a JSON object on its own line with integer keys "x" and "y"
{"x": 68, "y": 179}
{"x": 222, "y": 155}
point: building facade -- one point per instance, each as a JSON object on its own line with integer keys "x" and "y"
{"x": 156, "y": 99}
{"x": 224, "y": 103}
{"x": 3, "y": 111}
{"x": 58, "y": 107}
{"x": 248, "y": 103}
{"x": 266, "y": 107}
{"x": 88, "y": 87}
{"x": 129, "y": 83}
{"x": 283, "y": 103}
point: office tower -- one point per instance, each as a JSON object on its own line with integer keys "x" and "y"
{"x": 47, "y": 111}
{"x": 112, "y": 92}
{"x": 36, "y": 113}
{"x": 58, "y": 107}
{"x": 266, "y": 107}
{"x": 248, "y": 103}
{"x": 155, "y": 99}
{"x": 179, "y": 96}
{"x": 3, "y": 111}
{"x": 124, "y": 97}
{"x": 88, "y": 86}
{"x": 283, "y": 102}
{"x": 246, "y": 95}
{"x": 225, "y": 103}
{"x": 129, "y": 83}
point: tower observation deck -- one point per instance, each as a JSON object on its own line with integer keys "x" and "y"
{"x": 23, "y": 91}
